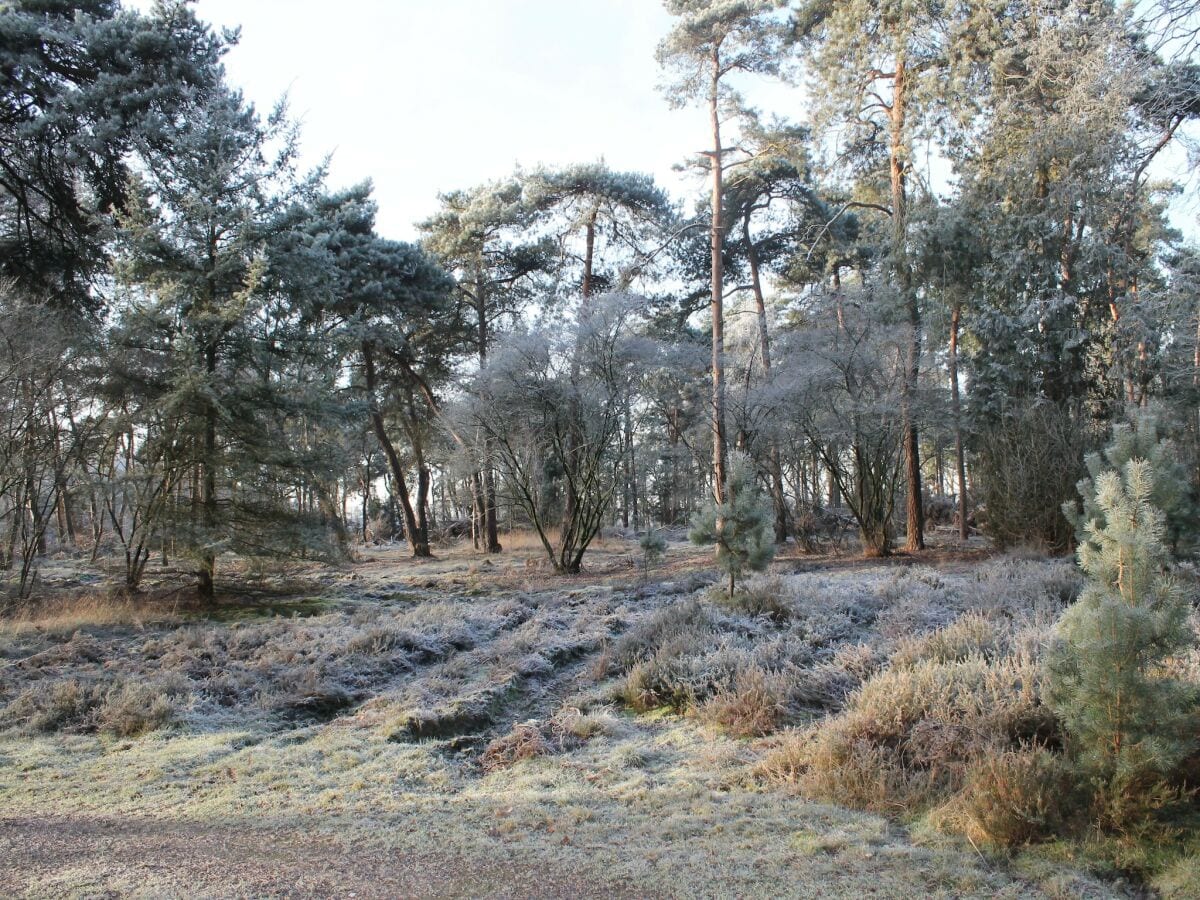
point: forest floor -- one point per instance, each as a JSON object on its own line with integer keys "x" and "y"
{"x": 461, "y": 727}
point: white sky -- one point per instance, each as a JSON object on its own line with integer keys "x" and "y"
{"x": 426, "y": 96}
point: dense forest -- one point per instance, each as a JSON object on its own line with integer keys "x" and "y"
{"x": 914, "y": 310}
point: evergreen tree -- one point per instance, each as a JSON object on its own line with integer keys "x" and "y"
{"x": 1139, "y": 438}
{"x": 740, "y": 526}
{"x": 399, "y": 310}
{"x": 711, "y": 40}
{"x": 482, "y": 238}
{"x": 1129, "y": 722}
{"x": 84, "y": 84}
{"x": 617, "y": 215}
{"x": 880, "y": 64}
{"x": 223, "y": 342}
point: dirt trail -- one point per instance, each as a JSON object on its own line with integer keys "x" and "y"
{"x": 82, "y": 857}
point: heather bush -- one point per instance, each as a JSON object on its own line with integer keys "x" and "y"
{"x": 118, "y": 707}
{"x": 970, "y": 635}
{"x": 677, "y": 622}
{"x": 1180, "y": 880}
{"x": 132, "y": 709}
{"x": 754, "y": 705}
{"x": 49, "y": 706}
{"x": 922, "y": 727}
{"x": 761, "y": 597}
{"x": 1011, "y": 798}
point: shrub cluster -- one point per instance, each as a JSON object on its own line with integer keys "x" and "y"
{"x": 1016, "y": 720}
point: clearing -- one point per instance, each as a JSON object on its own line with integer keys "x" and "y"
{"x": 467, "y": 727}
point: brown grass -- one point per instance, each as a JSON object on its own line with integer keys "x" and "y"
{"x": 1010, "y": 798}
{"x": 753, "y": 706}
{"x": 66, "y": 613}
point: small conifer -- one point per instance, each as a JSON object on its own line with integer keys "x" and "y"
{"x": 1128, "y": 721}
{"x": 1140, "y": 438}
{"x": 741, "y": 527}
{"x": 654, "y": 546}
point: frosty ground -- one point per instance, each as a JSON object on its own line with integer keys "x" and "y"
{"x": 480, "y": 727}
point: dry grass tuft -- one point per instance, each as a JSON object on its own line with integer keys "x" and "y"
{"x": 1181, "y": 880}
{"x": 755, "y": 705}
{"x": 525, "y": 741}
{"x": 567, "y": 730}
{"x": 767, "y": 597}
{"x": 1010, "y": 799}
{"x": 120, "y": 708}
{"x": 63, "y": 613}
{"x": 909, "y": 736}
{"x": 973, "y": 634}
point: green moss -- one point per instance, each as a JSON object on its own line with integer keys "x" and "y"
{"x": 302, "y": 608}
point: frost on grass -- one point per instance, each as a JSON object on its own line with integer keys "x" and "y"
{"x": 787, "y": 649}
{"x": 539, "y": 725}
{"x": 275, "y": 673}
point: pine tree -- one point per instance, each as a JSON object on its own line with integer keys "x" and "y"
{"x": 711, "y": 40}
{"x": 1129, "y": 722}
{"x": 483, "y": 238}
{"x": 1139, "y": 438}
{"x": 85, "y": 83}
{"x": 741, "y": 526}
{"x": 222, "y": 342}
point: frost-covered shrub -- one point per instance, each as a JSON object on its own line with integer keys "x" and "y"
{"x": 525, "y": 741}
{"x": 118, "y": 707}
{"x": 1032, "y": 587}
{"x": 48, "y": 706}
{"x": 761, "y": 597}
{"x": 132, "y": 709}
{"x": 670, "y": 623}
{"x": 908, "y": 736}
{"x": 858, "y": 774}
{"x": 684, "y": 672}
{"x": 1179, "y": 880}
{"x": 755, "y": 704}
{"x": 970, "y": 635}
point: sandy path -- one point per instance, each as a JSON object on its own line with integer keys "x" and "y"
{"x": 84, "y": 857}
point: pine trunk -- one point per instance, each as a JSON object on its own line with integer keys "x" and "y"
{"x": 718, "y": 310}
{"x": 960, "y": 465}
{"x": 914, "y": 508}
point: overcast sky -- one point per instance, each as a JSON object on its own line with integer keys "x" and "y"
{"x": 425, "y": 96}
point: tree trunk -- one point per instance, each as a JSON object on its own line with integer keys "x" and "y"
{"x": 573, "y": 447}
{"x": 960, "y": 465}
{"x": 914, "y": 508}
{"x": 491, "y": 526}
{"x": 774, "y": 462}
{"x": 420, "y": 547}
{"x": 366, "y": 495}
{"x": 718, "y": 309}
{"x": 589, "y": 254}
{"x": 477, "y": 510}
{"x": 208, "y": 487}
